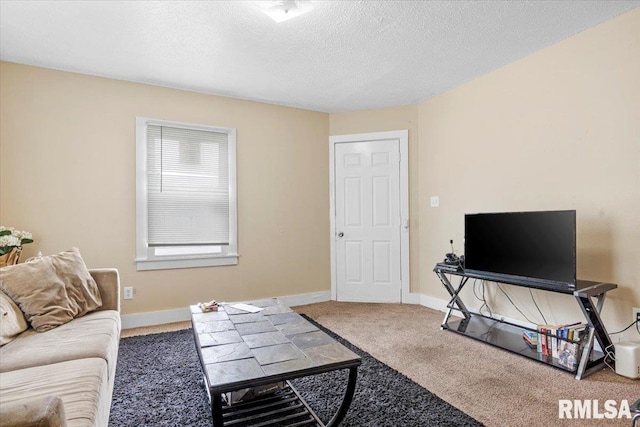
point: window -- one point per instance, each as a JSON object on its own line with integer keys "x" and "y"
{"x": 185, "y": 195}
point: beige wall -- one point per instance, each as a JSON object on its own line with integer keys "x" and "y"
{"x": 559, "y": 129}
{"x": 67, "y": 174}
{"x": 386, "y": 119}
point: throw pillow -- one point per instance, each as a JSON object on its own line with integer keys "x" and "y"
{"x": 51, "y": 290}
{"x": 12, "y": 320}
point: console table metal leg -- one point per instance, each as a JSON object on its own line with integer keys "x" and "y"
{"x": 584, "y": 357}
{"x": 455, "y": 298}
{"x": 346, "y": 401}
{"x": 596, "y": 330}
{"x": 216, "y": 409}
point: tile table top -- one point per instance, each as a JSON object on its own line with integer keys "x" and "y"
{"x": 240, "y": 349}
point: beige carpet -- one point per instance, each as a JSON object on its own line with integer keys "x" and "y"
{"x": 492, "y": 385}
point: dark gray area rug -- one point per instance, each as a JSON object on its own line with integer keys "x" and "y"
{"x": 159, "y": 383}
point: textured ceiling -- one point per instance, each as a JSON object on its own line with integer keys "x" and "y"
{"x": 341, "y": 56}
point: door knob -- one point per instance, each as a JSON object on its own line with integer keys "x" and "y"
{"x": 340, "y": 234}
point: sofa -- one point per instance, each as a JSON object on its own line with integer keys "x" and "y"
{"x": 63, "y": 375}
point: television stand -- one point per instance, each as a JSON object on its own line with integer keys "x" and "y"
{"x": 508, "y": 336}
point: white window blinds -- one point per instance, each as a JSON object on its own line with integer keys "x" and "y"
{"x": 187, "y": 187}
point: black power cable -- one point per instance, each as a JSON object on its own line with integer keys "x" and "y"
{"x": 635, "y": 322}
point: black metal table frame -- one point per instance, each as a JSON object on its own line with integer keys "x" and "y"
{"x": 217, "y": 401}
{"x": 583, "y": 296}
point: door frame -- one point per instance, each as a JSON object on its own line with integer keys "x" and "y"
{"x": 402, "y": 136}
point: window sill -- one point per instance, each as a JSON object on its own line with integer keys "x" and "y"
{"x": 186, "y": 262}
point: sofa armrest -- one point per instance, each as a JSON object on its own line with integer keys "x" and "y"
{"x": 40, "y": 412}
{"x": 108, "y": 280}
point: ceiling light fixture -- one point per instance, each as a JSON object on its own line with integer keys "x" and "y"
{"x": 282, "y": 10}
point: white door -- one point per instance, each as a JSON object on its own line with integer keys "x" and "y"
{"x": 367, "y": 221}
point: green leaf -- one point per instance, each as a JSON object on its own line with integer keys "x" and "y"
{"x": 25, "y": 241}
{"x": 5, "y": 232}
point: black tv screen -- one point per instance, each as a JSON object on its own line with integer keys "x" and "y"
{"x": 532, "y": 245}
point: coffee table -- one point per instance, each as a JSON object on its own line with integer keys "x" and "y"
{"x": 240, "y": 350}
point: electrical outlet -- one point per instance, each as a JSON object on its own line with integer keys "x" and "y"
{"x": 636, "y": 314}
{"x": 128, "y": 292}
{"x": 435, "y": 201}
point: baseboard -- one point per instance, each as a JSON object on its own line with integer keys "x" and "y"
{"x": 432, "y": 302}
{"x": 303, "y": 299}
{"x": 412, "y": 299}
{"x": 152, "y": 318}
{"x": 181, "y": 314}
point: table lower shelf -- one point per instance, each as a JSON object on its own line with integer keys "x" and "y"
{"x": 509, "y": 337}
{"x": 283, "y": 408}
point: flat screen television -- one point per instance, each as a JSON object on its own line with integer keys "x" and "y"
{"x": 522, "y": 247}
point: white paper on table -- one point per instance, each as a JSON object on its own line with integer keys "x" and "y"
{"x": 247, "y": 307}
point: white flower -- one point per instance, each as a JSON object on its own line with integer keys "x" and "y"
{"x": 11, "y": 238}
{"x": 9, "y": 241}
{"x": 22, "y": 235}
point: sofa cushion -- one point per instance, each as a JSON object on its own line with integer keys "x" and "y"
{"x": 12, "y": 321}
{"x": 81, "y": 384}
{"x": 51, "y": 290}
{"x": 95, "y": 335}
